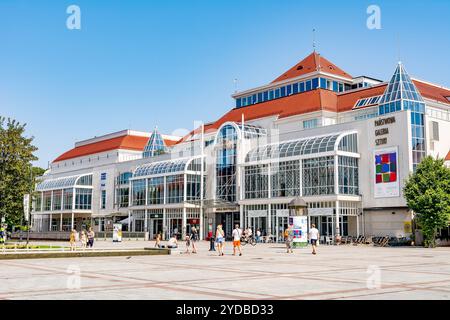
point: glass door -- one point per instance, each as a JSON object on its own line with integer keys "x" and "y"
{"x": 282, "y": 224}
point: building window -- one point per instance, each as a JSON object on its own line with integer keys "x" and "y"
{"x": 348, "y": 175}
{"x": 309, "y": 124}
{"x": 47, "y": 200}
{"x": 318, "y": 176}
{"x": 256, "y": 182}
{"x": 138, "y": 195}
{"x": 226, "y": 164}
{"x": 155, "y": 192}
{"x": 57, "y": 196}
{"x": 68, "y": 199}
{"x": 83, "y": 199}
{"x": 123, "y": 197}
{"x": 193, "y": 187}
{"x": 285, "y": 179}
{"x": 103, "y": 206}
{"x": 175, "y": 188}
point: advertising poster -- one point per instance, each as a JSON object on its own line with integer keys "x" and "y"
{"x": 300, "y": 231}
{"x": 386, "y": 179}
{"x": 117, "y": 232}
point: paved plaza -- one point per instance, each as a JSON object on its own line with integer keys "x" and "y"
{"x": 263, "y": 272}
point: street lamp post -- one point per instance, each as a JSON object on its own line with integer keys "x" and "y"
{"x": 28, "y": 209}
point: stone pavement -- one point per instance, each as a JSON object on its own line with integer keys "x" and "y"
{"x": 263, "y": 272}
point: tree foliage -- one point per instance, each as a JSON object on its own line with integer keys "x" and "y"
{"x": 427, "y": 192}
{"x": 17, "y": 176}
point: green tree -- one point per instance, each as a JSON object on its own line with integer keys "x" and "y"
{"x": 16, "y": 172}
{"x": 427, "y": 192}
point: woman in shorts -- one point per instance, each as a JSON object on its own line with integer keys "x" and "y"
{"x": 220, "y": 239}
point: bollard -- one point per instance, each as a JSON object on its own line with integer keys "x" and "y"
{"x": 211, "y": 244}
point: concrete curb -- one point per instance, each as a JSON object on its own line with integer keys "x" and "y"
{"x": 80, "y": 254}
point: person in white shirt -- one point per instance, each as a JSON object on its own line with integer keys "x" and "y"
{"x": 237, "y": 234}
{"x": 313, "y": 237}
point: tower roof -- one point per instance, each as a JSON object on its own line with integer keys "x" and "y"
{"x": 313, "y": 62}
{"x": 155, "y": 145}
{"x": 400, "y": 88}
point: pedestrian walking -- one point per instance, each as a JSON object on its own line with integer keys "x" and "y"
{"x": 313, "y": 237}
{"x": 220, "y": 239}
{"x": 83, "y": 240}
{"x": 194, "y": 238}
{"x": 91, "y": 237}
{"x": 258, "y": 235}
{"x": 237, "y": 234}
{"x": 72, "y": 240}
{"x": 288, "y": 238}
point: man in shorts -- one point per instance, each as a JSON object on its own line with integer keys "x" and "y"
{"x": 237, "y": 234}
{"x": 313, "y": 237}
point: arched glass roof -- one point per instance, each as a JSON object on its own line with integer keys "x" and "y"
{"x": 58, "y": 183}
{"x": 163, "y": 167}
{"x": 295, "y": 148}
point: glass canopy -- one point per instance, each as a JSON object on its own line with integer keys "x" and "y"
{"x": 160, "y": 168}
{"x": 299, "y": 147}
{"x": 59, "y": 183}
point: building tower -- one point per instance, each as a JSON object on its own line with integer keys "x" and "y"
{"x": 155, "y": 145}
{"x": 402, "y": 94}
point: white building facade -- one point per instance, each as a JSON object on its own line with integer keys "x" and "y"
{"x": 343, "y": 144}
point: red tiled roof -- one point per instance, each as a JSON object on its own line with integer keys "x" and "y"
{"x": 432, "y": 92}
{"x": 447, "y": 157}
{"x": 313, "y": 62}
{"x": 125, "y": 142}
{"x": 347, "y": 100}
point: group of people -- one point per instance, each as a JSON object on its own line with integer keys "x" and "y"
{"x": 86, "y": 239}
{"x": 314, "y": 235}
{"x": 236, "y": 234}
{"x": 172, "y": 243}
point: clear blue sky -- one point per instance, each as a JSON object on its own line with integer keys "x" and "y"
{"x": 137, "y": 64}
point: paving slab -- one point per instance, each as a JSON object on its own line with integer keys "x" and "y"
{"x": 265, "y": 271}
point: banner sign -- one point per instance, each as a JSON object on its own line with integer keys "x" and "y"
{"x": 117, "y": 232}
{"x": 300, "y": 230}
{"x": 26, "y": 206}
{"x": 386, "y": 177}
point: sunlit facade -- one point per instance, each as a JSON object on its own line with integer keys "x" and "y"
{"x": 343, "y": 144}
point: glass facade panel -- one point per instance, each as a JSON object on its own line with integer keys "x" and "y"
{"x": 318, "y": 176}
{"x": 348, "y": 175}
{"x": 83, "y": 199}
{"x": 285, "y": 179}
{"x": 226, "y": 163}
{"x": 68, "y": 199}
{"x": 57, "y": 197}
{"x": 47, "y": 200}
{"x": 155, "y": 191}
{"x": 138, "y": 193}
{"x": 175, "y": 188}
{"x": 256, "y": 182}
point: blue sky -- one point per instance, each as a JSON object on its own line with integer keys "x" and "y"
{"x": 137, "y": 64}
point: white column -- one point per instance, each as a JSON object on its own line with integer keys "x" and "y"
{"x": 145, "y": 221}
{"x": 357, "y": 225}
{"x": 269, "y": 218}
{"x": 50, "y": 223}
{"x": 61, "y": 222}
{"x": 183, "y": 224}
{"x": 338, "y": 227}
{"x": 201, "y": 224}
{"x": 129, "y": 221}
{"x": 73, "y": 220}
{"x": 164, "y": 222}
{"x": 241, "y": 217}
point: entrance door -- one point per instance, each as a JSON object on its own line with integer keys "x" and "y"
{"x": 156, "y": 227}
{"x": 258, "y": 223}
{"x": 227, "y": 220}
{"x": 282, "y": 224}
